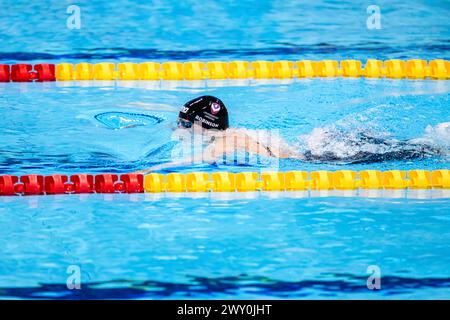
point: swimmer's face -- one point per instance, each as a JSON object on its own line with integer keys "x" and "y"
{"x": 186, "y": 124}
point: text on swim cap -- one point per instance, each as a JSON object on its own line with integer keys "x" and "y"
{"x": 209, "y": 123}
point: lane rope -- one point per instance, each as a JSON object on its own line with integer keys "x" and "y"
{"x": 223, "y": 182}
{"x": 437, "y": 69}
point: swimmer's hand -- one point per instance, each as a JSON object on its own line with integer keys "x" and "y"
{"x": 185, "y": 162}
{"x": 159, "y": 167}
{"x": 145, "y": 171}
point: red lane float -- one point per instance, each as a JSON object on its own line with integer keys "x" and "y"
{"x": 5, "y": 73}
{"x": 33, "y": 184}
{"x": 22, "y": 72}
{"x": 56, "y": 184}
{"x": 19, "y": 188}
{"x": 45, "y": 72}
{"x": 104, "y": 183}
{"x": 82, "y": 183}
{"x": 7, "y": 185}
{"x": 133, "y": 183}
{"x": 79, "y": 183}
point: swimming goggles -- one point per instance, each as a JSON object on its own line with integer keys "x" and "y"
{"x": 181, "y": 123}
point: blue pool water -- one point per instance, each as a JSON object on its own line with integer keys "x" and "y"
{"x": 252, "y": 247}
{"x": 45, "y": 123}
{"x": 246, "y": 245}
{"x": 214, "y": 29}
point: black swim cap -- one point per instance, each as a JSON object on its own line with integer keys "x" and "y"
{"x": 208, "y": 110}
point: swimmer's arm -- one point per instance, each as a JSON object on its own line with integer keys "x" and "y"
{"x": 220, "y": 147}
{"x": 175, "y": 164}
{"x": 282, "y": 151}
{"x": 229, "y": 145}
{"x": 206, "y": 157}
{"x": 291, "y": 154}
{"x": 158, "y": 167}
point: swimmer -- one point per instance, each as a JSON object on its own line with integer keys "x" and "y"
{"x": 208, "y": 116}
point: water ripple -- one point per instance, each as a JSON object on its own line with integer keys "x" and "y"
{"x": 290, "y": 51}
{"x": 225, "y": 286}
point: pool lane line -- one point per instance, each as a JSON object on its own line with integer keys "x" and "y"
{"x": 224, "y": 182}
{"x": 438, "y": 69}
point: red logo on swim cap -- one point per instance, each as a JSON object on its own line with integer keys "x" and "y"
{"x": 215, "y": 107}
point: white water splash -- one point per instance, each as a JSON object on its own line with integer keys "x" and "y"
{"x": 337, "y": 143}
{"x": 322, "y": 141}
{"x": 438, "y": 135}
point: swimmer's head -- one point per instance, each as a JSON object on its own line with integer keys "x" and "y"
{"x": 207, "y": 111}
